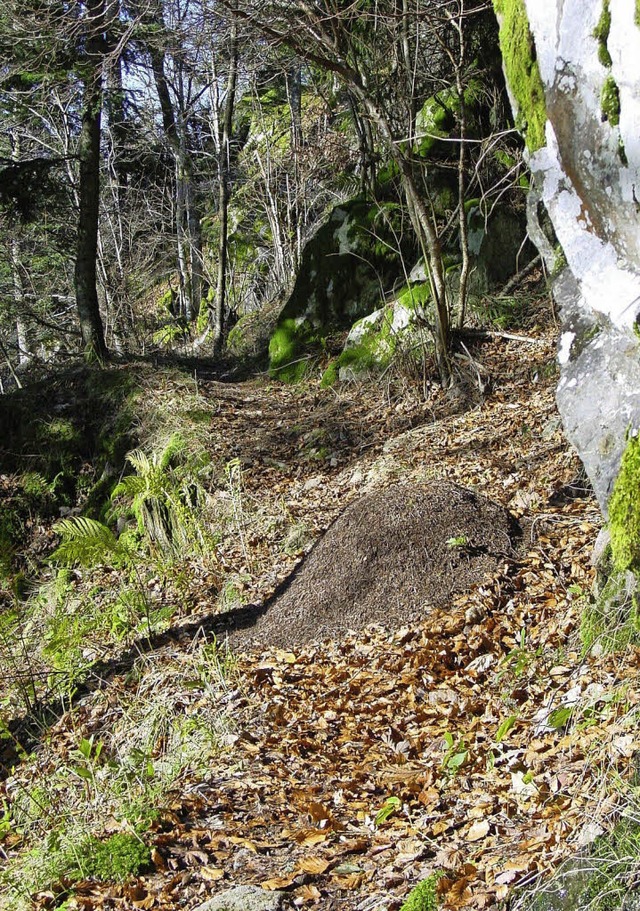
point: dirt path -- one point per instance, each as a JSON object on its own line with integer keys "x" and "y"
{"x": 352, "y": 768}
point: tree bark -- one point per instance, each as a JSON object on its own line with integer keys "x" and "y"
{"x": 89, "y": 189}
{"x": 224, "y": 194}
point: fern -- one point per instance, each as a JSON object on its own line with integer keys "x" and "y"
{"x": 85, "y": 542}
{"x": 163, "y": 497}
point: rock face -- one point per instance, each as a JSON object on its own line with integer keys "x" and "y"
{"x": 573, "y": 72}
{"x": 498, "y": 247}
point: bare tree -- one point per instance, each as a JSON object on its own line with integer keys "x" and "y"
{"x": 389, "y": 55}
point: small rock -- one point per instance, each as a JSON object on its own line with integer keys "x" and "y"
{"x": 553, "y": 426}
{"x": 356, "y": 478}
{"x": 600, "y": 547}
{"x": 244, "y": 898}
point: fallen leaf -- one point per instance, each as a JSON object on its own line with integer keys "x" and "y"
{"x": 309, "y": 837}
{"x": 211, "y": 874}
{"x": 478, "y": 830}
{"x": 315, "y": 865}
{"x": 279, "y": 882}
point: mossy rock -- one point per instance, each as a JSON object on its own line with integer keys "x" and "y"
{"x": 291, "y": 348}
{"x": 523, "y": 73}
{"x": 375, "y": 339}
{"x": 624, "y": 510}
{"x": 344, "y": 267}
{"x": 437, "y": 120}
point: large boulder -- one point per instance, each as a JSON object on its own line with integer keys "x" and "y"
{"x": 573, "y": 71}
{"x": 346, "y": 264}
{"x": 498, "y": 247}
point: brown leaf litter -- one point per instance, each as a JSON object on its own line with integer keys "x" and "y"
{"x": 356, "y": 766}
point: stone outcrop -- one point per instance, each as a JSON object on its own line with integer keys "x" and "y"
{"x": 573, "y": 72}
{"x": 345, "y": 267}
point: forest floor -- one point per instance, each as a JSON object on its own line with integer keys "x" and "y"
{"x": 473, "y": 735}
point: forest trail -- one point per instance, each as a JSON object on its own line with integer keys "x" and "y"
{"x": 476, "y": 741}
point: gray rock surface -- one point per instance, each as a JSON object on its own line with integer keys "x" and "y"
{"x": 598, "y": 394}
{"x": 244, "y": 898}
{"x": 586, "y": 194}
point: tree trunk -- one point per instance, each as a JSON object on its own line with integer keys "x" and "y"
{"x": 427, "y": 236}
{"x": 89, "y": 190}
{"x": 224, "y": 194}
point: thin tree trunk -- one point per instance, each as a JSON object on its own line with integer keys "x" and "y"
{"x": 462, "y": 178}
{"x": 89, "y": 190}
{"x": 224, "y": 194}
{"x": 428, "y": 239}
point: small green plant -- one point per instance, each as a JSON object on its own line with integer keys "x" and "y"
{"x": 116, "y": 859}
{"x": 87, "y": 542}
{"x": 424, "y": 896}
{"x": 459, "y": 541}
{"x": 456, "y": 754}
{"x": 560, "y": 717}
{"x": 167, "y": 335}
{"x": 505, "y": 727}
{"x": 87, "y": 757}
{"x": 388, "y": 808}
{"x": 165, "y": 496}
{"x": 519, "y": 659}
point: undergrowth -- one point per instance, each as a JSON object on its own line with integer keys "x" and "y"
{"x": 166, "y": 721}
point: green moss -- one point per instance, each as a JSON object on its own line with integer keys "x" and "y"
{"x": 330, "y": 376}
{"x": 167, "y": 300}
{"x": 601, "y": 34}
{"x": 610, "y": 101}
{"x": 289, "y": 350}
{"x": 559, "y": 261}
{"x": 624, "y": 510}
{"x": 637, "y": 14}
{"x": 424, "y": 896}
{"x": 523, "y": 73}
{"x": 360, "y": 358}
{"x": 622, "y": 153}
{"x": 416, "y": 295}
{"x": 435, "y": 120}
{"x": 374, "y": 349}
